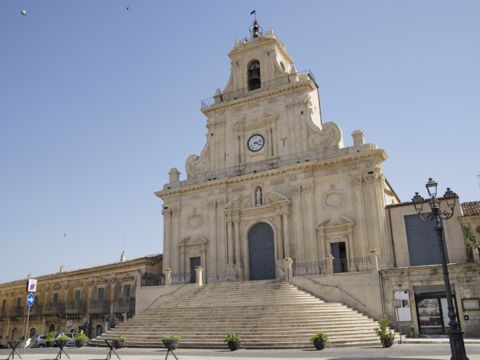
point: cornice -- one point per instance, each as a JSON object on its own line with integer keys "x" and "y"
{"x": 265, "y": 94}
{"x": 375, "y": 154}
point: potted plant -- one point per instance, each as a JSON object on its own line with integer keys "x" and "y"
{"x": 61, "y": 340}
{"x": 81, "y": 339}
{"x": 119, "y": 342}
{"x": 50, "y": 339}
{"x": 233, "y": 340}
{"x": 171, "y": 341}
{"x": 320, "y": 340}
{"x": 384, "y": 333}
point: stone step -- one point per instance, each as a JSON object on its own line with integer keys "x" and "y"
{"x": 266, "y": 314}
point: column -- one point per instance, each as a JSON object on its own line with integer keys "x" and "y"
{"x": 286, "y": 237}
{"x": 298, "y": 225}
{"x": 166, "y": 237}
{"x": 229, "y": 241}
{"x": 309, "y": 222}
{"x": 236, "y": 222}
{"x": 280, "y": 236}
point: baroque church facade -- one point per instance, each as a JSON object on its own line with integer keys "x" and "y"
{"x": 273, "y": 181}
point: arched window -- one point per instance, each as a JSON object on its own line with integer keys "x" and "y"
{"x": 254, "y": 81}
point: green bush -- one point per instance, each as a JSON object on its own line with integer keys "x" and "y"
{"x": 81, "y": 336}
{"x": 232, "y": 336}
{"x": 172, "y": 338}
{"x": 319, "y": 336}
{"x": 383, "y": 332}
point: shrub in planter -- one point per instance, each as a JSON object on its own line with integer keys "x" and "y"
{"x": 81, "y": 339}
{"x": 50, "y": 339}
{"x": 119, "y": 342}
{"x": 171, "y": 341}
{"x": 384, "y": 333}
{"x": 320, "y": 340}
{"x": 233, "y": 340}
{"x": 61, "y": 340}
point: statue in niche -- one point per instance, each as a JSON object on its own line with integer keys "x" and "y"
{"x": 258, "y": 197}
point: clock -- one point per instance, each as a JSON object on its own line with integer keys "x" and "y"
{"x": 255, "y": 142}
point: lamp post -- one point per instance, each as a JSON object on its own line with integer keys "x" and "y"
{"x": 436, "y": 215}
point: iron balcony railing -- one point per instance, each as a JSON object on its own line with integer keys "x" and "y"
{"x": 124, "y": 305}
{"x": 36, "y": 309}
{"x": 266, "y": 86}
{"x": 76, "y": 308}
{"x": 16, "y": 313}
{"x": 54, "y": 309}
{"x": 99, "y": 307}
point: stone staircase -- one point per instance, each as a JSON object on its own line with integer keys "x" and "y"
{"x": 266, "y": 314}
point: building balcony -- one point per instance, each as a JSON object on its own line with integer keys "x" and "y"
{"x": 36, "y": 309}
{"x": 76, "y": 308}
{"x": 124, "y": 306}
{"x": 54, "y": 309}
{"x": 16, "y": 313}
{"x": 274, "y": 84}
{"x": 99, "y": 307}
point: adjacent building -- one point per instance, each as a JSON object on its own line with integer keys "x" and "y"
{"x": 90, "y": 299}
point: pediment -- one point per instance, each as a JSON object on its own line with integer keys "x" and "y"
{"x": 340, "y": 224}
{"x": 193, "y": 240}
{"x": 243, "y": 202}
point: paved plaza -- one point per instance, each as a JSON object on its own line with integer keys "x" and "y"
{"x": 397, "y": 352}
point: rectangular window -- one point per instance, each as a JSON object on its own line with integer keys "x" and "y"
{"x": 101, "y": 295}
{"x": 78, "y": 297}
{"x": 55, "y": 298}
{"x": 19, "y": 303}
{"x": 126, "y": 292}
{"x": 4, "y": 304}
{"x": 36, "y": 300}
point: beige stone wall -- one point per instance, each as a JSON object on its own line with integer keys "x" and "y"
{"x": 148, "y": 297}
{"x": 360, "y": 290}
{"x": 463, "y": 277}
{"x": 397, "y": 233}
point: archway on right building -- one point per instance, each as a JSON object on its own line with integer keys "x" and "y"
{"x": 261, "y": 252}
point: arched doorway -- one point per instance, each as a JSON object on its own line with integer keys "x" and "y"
{"x": 99, "y": 330}
{"x": 15, "y": 334}
{"x": 261, "y": 252}
{"x": 51, "y": 328}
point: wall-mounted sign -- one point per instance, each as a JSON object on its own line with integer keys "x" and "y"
{"x": 32, "y": 285}
{"x": 471, "y": 304}
{"x": 401, "y": 301}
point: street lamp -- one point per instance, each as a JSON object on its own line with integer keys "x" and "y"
{"x": 436, "y": 215}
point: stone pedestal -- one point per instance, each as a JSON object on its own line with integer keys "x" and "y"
{"x": 168, "y": 276}
{"x": 288, "y": 267}
{"x": 199, "y": 276}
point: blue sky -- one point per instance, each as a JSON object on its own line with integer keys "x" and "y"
{"x": 98, "y": 102}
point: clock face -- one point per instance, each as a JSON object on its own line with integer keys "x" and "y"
{"x": 255, "y": 142}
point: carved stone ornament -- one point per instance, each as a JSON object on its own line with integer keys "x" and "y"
{"x": 197, "y": 164}
{"x": 190, "y": 241}
{"x": 333, "y": 199}
{"x": 57, "y": 286}
{"x": 194, "y": 221}
{"x": 329, "y": 137}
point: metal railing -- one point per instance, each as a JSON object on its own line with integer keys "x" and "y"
{"x": 181, "y": 278}
{"x": 124, "y": 306}
{"x": 266, "y": 86}
{"x": 149, "y": 279}
{"x": 339, "y": 265}
{"x": 99, "y": 307}
{"x": 16, "y": 313}
{"x": 54, "y": 309}
{"x": 76, "y": 307}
